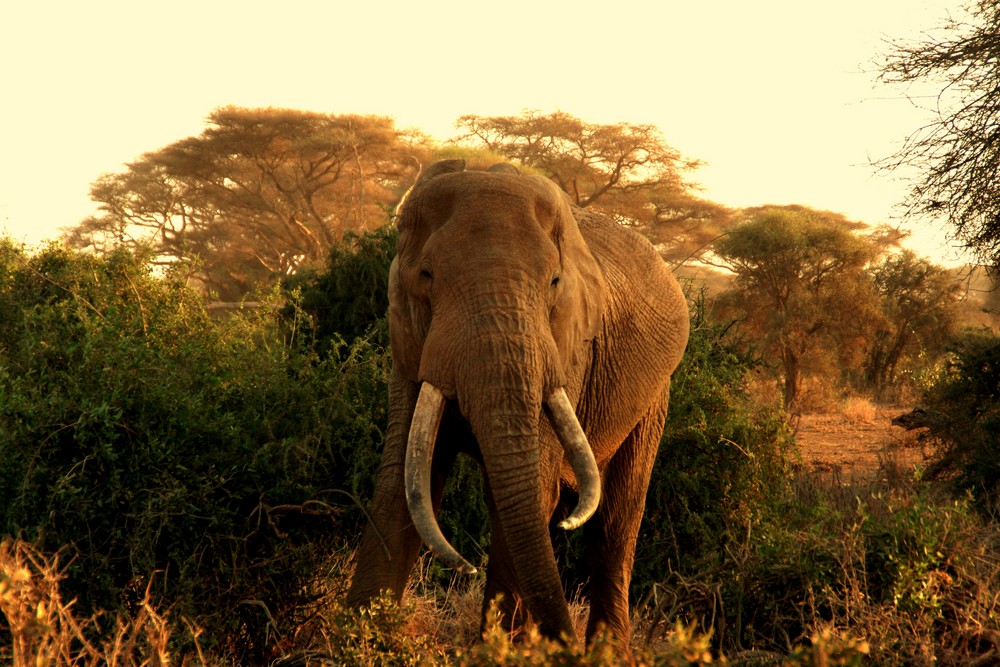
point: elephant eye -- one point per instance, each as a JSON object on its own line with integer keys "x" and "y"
{"x": 555, "y": 280}
{"x": 426, "y": 274}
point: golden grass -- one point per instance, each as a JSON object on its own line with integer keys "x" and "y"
{"x": 45, "y": 631}
{"x": 859, "y": 410}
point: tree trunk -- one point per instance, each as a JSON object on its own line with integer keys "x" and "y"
{"x": 790, "y": 362}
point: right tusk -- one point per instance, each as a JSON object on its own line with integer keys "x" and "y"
{"x": 581, "y": 459}
{"x": 417, "y": 471}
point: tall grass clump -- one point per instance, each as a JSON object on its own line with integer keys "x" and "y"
{"x": 45, "y": 629}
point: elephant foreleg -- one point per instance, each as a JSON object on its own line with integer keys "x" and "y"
{"x": 611, "y": 535}
{"x": 390, "y": 543}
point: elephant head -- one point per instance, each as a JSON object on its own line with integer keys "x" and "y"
{"x": 494, "y": 297}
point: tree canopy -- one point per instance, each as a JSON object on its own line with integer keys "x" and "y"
{"x": 957, "y": 154}
{"x": 259, "y": 193}
{"x": 262, "y": 193}
{"x": 918, "y": 309}
{"x": 626, "y": 170}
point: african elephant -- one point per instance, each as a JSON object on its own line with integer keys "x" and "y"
{"x": 540, "y": 339}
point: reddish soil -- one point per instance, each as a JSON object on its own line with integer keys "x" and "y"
{"x": 856, "y": 445}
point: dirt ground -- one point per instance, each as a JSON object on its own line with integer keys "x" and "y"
{"x": 856, "y": 445}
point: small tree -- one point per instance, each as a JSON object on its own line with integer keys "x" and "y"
{"x": 918, "y": 314}
{"x": 799, "y": 280}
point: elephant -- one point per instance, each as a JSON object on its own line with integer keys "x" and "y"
{"x": 539, "y": 338}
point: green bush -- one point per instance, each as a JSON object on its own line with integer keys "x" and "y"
{"x": 914, "y": 575}
{"x": 160, "y": 448}
{"x": 210, "y": 465}
{"x": 724, "y": 462}
{"x": 349, "y": 298}
{"x": 962, "y": 412}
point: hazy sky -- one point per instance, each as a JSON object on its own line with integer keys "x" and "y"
{"x": 778, "y": 97}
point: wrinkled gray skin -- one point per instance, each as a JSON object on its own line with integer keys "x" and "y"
{"x": 501, "y": 294}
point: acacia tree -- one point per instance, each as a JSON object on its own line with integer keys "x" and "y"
{"x": 626, "y": 170}
{"x": 799, "y": 279}
{"x": 258, "y": 194}
{"x": 918, "y": 310}
{"x": 957, "y": 154}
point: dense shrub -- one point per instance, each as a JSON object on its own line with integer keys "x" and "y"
{"x": 962, "y": 413}
{"x": 724, "y": 461}
{"x": 205, "y": 468}
{"x": 914, "y": 574}
{"x": 160, "y": 448}
{"x": 349, "y": 298}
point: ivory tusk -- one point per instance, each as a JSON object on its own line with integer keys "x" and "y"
{"x": 417, "y": 472}
{"x": 581, "y": 459}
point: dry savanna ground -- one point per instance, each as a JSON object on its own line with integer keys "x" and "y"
{"x": 856, "y": 440}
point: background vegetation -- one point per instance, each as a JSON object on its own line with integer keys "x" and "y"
{"x": 202, "y": 475}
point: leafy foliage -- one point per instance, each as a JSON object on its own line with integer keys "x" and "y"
{"x": 143, "y": 437}
{"x": 962, "y": 413}
{"x": 379, "y": 634}
{"x": 349, "y": 299}
{"x": 909, "y": 572}
{"x": 200, "y": 466}
{"x": 724, "y": 463}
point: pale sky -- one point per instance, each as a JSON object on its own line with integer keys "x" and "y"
{"x": 778, "y": 97}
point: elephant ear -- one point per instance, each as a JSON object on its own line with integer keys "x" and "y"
{"x": 409, "y": 318}
{"x": 578, "y": 312}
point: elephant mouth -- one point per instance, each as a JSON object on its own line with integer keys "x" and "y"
{"x": 420, "y": 452}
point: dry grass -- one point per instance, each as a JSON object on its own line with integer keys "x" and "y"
{"x": 433, "y": 628}
{"x": 945, "y": 613}
{"x": 45, "y": 631}
{"x": 859, "y": 410}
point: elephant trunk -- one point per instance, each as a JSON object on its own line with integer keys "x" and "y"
{"x": 505, "y": 414}
{"x": 503, "y": 403}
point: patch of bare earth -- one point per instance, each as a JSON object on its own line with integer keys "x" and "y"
{"x": 837, "y": 443}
